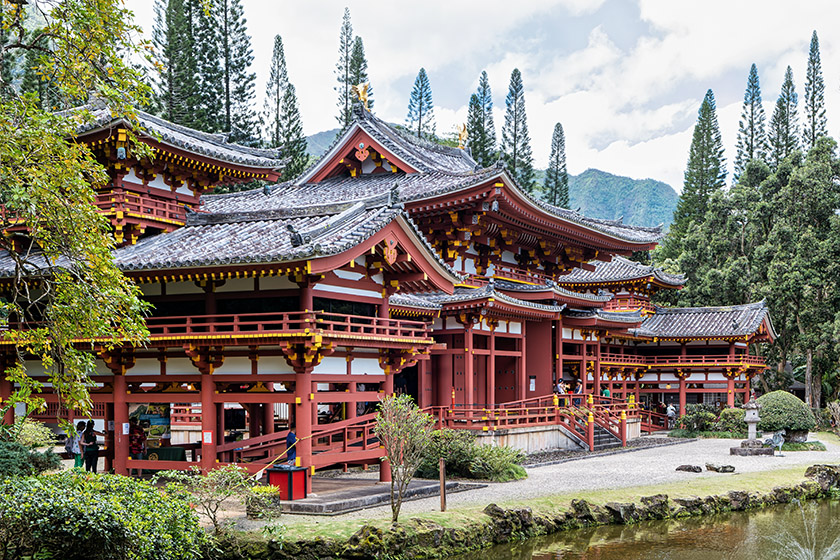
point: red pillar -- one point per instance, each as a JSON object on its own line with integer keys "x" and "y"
{"x": 730, "y": 392}
{"x": 682, "y": 396}
{"x": 490, "y": 398}
{"x": 268, "y": 418}
{"x": 351, "y": 406}
{"x": 208, "y": 423}
{"x": 521, "y": 381}
{"x": 596, "y": 371}
{"x": 120, "y": 421}
{"x": 303, "y": 421}
{"x": 5, "y": 393}
{"x": 469, "y": 368}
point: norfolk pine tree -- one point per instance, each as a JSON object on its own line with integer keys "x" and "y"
{"x": 176, "y": 65}
{"x": 556, "y": 189}
{"x": 516, "y": 143}
{"x": 358, "y": 69}
{"x": 421, "y": 110}
{"x": 343, "y": 73}
{"x": 815, "y": 121}
{"x": 481, "y": 130}
{"x": 752, "y": 138}
{"x": 281, "y": 115}
{"x": 240, "y": 120}
{"x": 705, "y": 174}
{"x": 47, "y": 183}
{"x": 784, "y": 126}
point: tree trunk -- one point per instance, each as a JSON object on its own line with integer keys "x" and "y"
{"x": 809, "y": 362}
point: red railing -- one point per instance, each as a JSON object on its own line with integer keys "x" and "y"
{"x": 653, "y": 421}
{"x": 55, "y": 410}
{"x": 299, "y": 322}
{"x": 143, "y": 206}
{"x": 508, "y": 272}
{"x": 185, "y": 414}
{"x": 677, "y": 360}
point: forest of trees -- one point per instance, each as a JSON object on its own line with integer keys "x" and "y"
{"x": 774, "y": 234}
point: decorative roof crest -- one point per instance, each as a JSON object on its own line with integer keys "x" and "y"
{"x": 463, "y": 136}
{"x": 361, "y": 91}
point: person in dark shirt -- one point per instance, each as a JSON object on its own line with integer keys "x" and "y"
{"x": 91, "y": 447}
{"x": 291, "y": 448}
{"x": 136, "y": 443}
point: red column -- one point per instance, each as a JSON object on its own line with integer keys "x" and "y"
{"x": 303, "y": 421}
{"x": 268, "y": 418}
{"x": 730, "y": 392}
{"x": 596, "y": 371}
{"x": 208, "y": 423}
{"x": 5, "y": 393}
{"x": 120, "y": 420}
{"x": 469, "y": 368}
{"x": 521, "y": 381}
{"x": 490, "y": 398}
{"x": 351, "y": 406}
{"x": 682, "y": 395}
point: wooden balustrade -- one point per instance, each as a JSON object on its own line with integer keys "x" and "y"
{"x": 299, "y": 322}
{"x": 678, "y": 360}
{"x": 142, "y": 206}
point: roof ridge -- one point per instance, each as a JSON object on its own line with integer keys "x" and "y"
{"x": 762, "y": 304}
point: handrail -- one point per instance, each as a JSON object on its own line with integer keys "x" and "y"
{"x": 671, "y": 360}
{"x": 147, "y": 206}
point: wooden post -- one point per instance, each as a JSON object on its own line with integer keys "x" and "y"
{"x": 623, "y": 428}
{"x": 730, "y": 392}
{"x": 490, "y": 398}
{"x": 442, "y": 484}
{"x": 5, "y": 393}
{"x": 208, "y": 423}
{"x": 683, "y": 399}
{"x": 120, "y": 420}
{"x": 590, "y": 432}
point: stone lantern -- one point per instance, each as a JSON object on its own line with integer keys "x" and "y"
{"x": 751, "y": 418}
{"x": 751, "y": 445}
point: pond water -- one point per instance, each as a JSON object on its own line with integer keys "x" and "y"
{"x": 791, "y": 532}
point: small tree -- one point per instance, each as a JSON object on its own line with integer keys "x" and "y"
{"x": 209, "y": 491}
{"x": 404, "y": 432}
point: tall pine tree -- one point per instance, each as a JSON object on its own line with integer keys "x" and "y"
{"x": 705, "y": 174}
{"x": 358, "y": 69}
{"x": 343, "y": 73}
{"x": 208, "y": 102}
{"x": 283, "y": 126}
{"x": 784, "y": 126}
{"x": 556, "y": 189}
{"x": 421, "y": 110}
{"x": 172, "y": 36}
{"x": 481, "y": 130}
{"x": 239, "y": 83}
{"x": 516, "y": 143}
{"x": 752, "y": 137}
{"x": 815, "y": 121}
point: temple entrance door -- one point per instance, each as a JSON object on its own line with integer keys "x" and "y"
{"x": 406, "y": 382}
{"x": 505, "y": 379}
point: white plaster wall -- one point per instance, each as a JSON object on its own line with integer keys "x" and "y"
{"x": 274, "y": 364}
{"x": 437, "y": 324}
{"x": 157, "y": 182}
{"x": 451, "y": 323}
{"x": 332, "y": 365}
{"x": 145, "y": 366}
{"x": 361, "y": 366}
{"x": 277, "y": 283}
{"x": 237, "y": 285}
{"x": 235, "y": 365}
{"x": 514, "y": 327}
{"x": 509, "y": 258}
{"x": 150, "y": 289}
{"x": 179, "y": 366}
{"x": 469, "y": 266}
{"x": 349, "y": 274}
{"x": 321, "y": 289}
{"x": 175, "y": 288}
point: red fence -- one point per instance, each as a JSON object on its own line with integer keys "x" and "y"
{"x": 677, "y": 360}
{"x": 143, "y": 206}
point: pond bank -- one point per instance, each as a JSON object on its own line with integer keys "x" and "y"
{"x": 419, "y": 538}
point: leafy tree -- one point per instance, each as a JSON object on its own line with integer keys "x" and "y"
{"x": 784, "y": 126}
{"x": 358, "y": 69}
{"x": 240, "y": 120}
{"x": 281, "y": 115}
{"x": 46, "y": 183}
{"x": 556, "y": 189}
{"x": 343, "y": 72}
{"x": 405, "y": 432}
{"x": 752, "y": 138}
{"x": 481, "y": 130}
{"x": 516, "y": 143}
{"x": 704, "y": 175}
{"x": 421, "y": 109}
{"x": 815, "y": 121}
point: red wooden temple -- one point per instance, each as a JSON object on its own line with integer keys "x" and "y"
{"x": 390, "y": 265}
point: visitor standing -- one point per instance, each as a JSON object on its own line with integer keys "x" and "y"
{"x": 291, "y": 447}
{"x": 91, "y": 447}
{"x": 72, "y": 445}
{"x": 578, "y": 391}
{"x": 672, "y": 415}
{"x": 136, "y": 444}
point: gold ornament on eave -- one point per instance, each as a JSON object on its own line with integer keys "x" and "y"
{"x": 462, "y": 136}
{"x": 361, "y": 92}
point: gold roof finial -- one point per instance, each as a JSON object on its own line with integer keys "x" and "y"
{"x": 462, "y": 136}
{"x": 361, "y": 91}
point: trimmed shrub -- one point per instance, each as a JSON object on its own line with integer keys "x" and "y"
{"x": 498, "y": 463}
{"x": 698, "y": 418}
{"x": 781, "y": 410}
{"x": 732, "y": 420}
{"x": 74, "y": 515}
{"x": 18, "y": 460}
{"x": 32, "y": 433}
{"x": 456, "y": 447}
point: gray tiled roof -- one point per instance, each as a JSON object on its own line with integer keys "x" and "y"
{"x": 413, "y": 300}
{"x": 550, "y": 287}
{"x": 631, "y": 317}
{"x": 214, "y": 146}
{"x": 464, "y": 294}
{"x": 619, "y": 269}
{"x": 690, "y": 322}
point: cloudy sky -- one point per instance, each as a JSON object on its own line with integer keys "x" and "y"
{"x": 624, "y": 77}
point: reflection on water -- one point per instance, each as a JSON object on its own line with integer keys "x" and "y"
{"x": 792, "y": 532}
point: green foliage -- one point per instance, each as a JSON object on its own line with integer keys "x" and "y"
{"x": 18, "y": 460}
{"x": 834, "y": 410}
{"x": 803, "y": 446}
{"x": 556, "y": 187}
{"x": 815, "y": 120}
{"x": 781, "y": 410}
{"x": 405, "y": 432}
{"x": 77, "y": 515}
{"x": 343, "y": 73}
{"x": 209, "y": 491}
{"x": 698, "y": 418}
{"x": 731, "y": 420}
{"x": 420, "y": 120}
{"x": 752, "y": 138}
{"x": 498, "y": 463}
{"x": 784, "y": 126}
{"x": 260, "y": 502}
{"x": 358, "y": 69}
{"x": 481, "y": 130}
{"x": 516, "y": 142}
{"x": 706, "y": 434}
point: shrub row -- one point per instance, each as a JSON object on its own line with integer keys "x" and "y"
{"x": 466, "y": 458}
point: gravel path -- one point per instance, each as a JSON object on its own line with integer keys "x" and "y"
{"x": 654, "y": 465}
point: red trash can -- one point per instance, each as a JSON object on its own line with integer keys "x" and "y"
{"x": 290, "y": 481}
